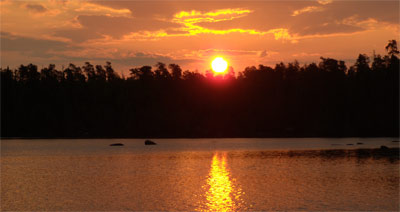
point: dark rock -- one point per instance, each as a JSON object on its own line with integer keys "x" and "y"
{"x": 349, "y": 144}
{"x": 384, "y": 148}
{"x": 117, "y": 144}
{"x": 360, "y": 143}
{"x": 149, "y": 142}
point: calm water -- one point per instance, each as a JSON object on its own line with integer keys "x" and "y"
{"x": 196, "y": 175}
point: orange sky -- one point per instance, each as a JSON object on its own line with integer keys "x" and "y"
{"x": 190, "y": 33}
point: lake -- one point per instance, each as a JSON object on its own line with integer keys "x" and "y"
{"x": 313, "y": 174}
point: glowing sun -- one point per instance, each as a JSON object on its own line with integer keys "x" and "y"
{"x": 219, "y": 65}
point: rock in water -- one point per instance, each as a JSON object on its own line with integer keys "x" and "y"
{"x": 384, "y": 148}
{"x": 148, "y": 142}
{"x": 117, "y": 144}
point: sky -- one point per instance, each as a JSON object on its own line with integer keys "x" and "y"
{"x": 191, "y": 33}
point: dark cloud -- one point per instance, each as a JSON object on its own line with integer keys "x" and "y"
{"x": 175, "y": 32}
{"x": 16, "y": 50}
{"x": 117, "y": 26}
{"x": 36, "y": 8}
{"x": 78, "y": 35}
{"x": 328, "y": 19}
{"x": 328, "y": 28}
{"x": 331, "y": 20}
{"x": 263, "y": 53}
{"x": 37, "y": 47}
{"x": 135, "y": 59}
{"x": 227, "y": 52}
{"x": 387, "y": 11}
{"x": 140, "y": 59}
{"x": 95, "y": 26}
{"x": 40, "y": 48}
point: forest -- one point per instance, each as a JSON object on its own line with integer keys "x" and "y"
{"x": 325, "y": 99}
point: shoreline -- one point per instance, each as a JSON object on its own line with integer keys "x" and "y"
{"x": 395, "y": 138}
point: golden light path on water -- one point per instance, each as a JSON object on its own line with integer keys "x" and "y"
{"x": 222, "y": 193}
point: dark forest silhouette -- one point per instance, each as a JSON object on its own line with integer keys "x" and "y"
{"x": 325, "y": 99}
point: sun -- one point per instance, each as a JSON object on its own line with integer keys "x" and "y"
{"x": 219, "y": 65}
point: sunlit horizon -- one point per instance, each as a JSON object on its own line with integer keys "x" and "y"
{"x": 135, "y": 33}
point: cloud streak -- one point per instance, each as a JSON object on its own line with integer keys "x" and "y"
{"x": 307, "y": 10}
{"x": 36, "y": 8}
{"x": 190, "y": 21}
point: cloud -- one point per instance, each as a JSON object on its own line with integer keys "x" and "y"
{"x": 191, "y": 19}
{"x": 100, "y": 26}
{"x": 90, "y": 8}
{"x": 368, "y": 23}
{"x": 324, "y": 2}
{"x": 120, "y": 30}
{"x": 119, "y": 26}
{"x": 17, "y": 50}
{"x": 10, "y": 42}
{"x": 282, "y": 34}
{"x": 194, "y": 16}
{"x": 341, "y": 18}
{"x": 307, "y": 10}
{"x": 263, "y": 53}
{"x": 78, "y": 35}
{"x": 305, "y": 54}
{"x": 328, "y": 29}
{"x": 36, "y": 8}
{"x": 121, "y": 56}
{"x": 226, "y": 52}
{"x": 135, "y": 59}
{"x": 347, "y": 25}
{"x": 188, "y": 22}
{"x": 47, "y": 16}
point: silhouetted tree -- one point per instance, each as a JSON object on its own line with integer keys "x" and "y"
{"x": 324, "y": 99}
{"x": 88, "y": 69}
{"x": 143, "y": 73}
{"x": 50, "y": 74}
{"x": 7, "y": 75}
{"x": 362, "y": 64}
{"x": 74, "y": 74}
{"x": 392, "y": 48}
{"x": 176, "y": 71}
{"x": 110, "y": 73}
{"x": 161, "y": 71}
{"x": 192, "y": 76}
{"x": 28, "y": 73}
{"x": 230, "y": 74}
{"x": 100, "y": 73}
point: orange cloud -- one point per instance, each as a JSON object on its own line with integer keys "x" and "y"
{"x": 191, "y": 19}
{"x": 42, "y": 18}
{"x": 307, "y": 10}
{"x": 279, "y": 33}
{"x": 282, "y": 34}
{"x": 324, "y": 2}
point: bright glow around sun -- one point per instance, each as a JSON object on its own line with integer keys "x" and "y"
{"x": 219, "y": 65}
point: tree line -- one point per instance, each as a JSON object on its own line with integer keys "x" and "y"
{"x": 288, "y": 100}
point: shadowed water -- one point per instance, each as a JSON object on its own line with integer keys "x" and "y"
{"x": 199, "y": 175}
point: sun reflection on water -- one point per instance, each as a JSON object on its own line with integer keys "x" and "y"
{"x": 222, "y": 193}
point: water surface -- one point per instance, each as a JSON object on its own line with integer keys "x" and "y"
{"x": 198, "y": 175}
